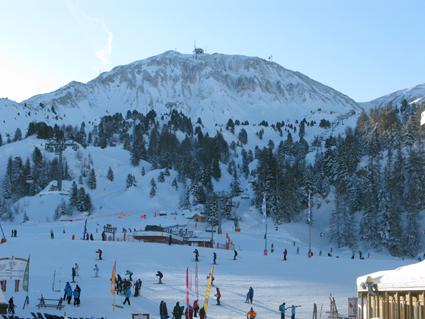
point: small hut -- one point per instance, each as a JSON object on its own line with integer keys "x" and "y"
{"x": 393, "y": 294}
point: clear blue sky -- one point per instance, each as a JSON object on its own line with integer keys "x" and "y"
{"x": 363, "y": 48}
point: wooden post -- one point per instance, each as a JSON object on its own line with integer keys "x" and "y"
{"x": 386, "y": 306}
{"x": 410, "y": 306}
{"x": 397, "y": 307}
{"x": 417, "y": 305}
{"x": 423, "y": 305}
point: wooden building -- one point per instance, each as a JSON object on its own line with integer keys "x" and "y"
{"x": 393, "y": 294}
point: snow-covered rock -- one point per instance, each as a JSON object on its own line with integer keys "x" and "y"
{"x": 214, "y": 87}
{"x": 415, "y": 94}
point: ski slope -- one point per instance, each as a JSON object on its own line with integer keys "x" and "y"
{"x": 299, "y": 280}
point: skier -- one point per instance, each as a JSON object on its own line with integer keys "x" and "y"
{"x": 52, "y": 234}
{"x": 235, "y": 254}
{"x": 137, "y": 287}
{"x": 214, "y": 258}
{"x": 160, "y": 276}
{"x": 285, "y": 254}
{"x": 282, "y": 309}
{"x": 177, "y": 311}
{"x": 251, "y": 314}
{"x": 96, "y": 270}
{"x": 298, "y": 250}
{"x": 129, "y": 273}
{"x": 314, "y": 311}
{"x": 202, "y": 313}
{"x": 91, "y": 237}
{"x": 77, "y": 293}
{"x": 195, "y": 308}
{"x": 250, "y": 295}
{"x": 196, "y": 252}
{"x": 77, "y": 270}
{"x": 127, "y": 294}
{"x": 68, "y": 292}
{"x": 218, "y": 296}
{"x": 212, "y": 279}
{"x": 99, "y": 253}
{"x": 163, "y": 311}
{"x": 11, "y": 306}
{"x": 73, "y": 274}
{"x": 272, "y": 249}
{"x": 293, "y": 310}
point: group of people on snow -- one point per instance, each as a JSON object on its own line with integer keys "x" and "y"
{"x": 192, "y": 311}
{"x": 69, "y": 293}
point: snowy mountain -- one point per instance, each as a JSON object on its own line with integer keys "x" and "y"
{"x": 415, "y": 94}
{"x": 213, "y": 87}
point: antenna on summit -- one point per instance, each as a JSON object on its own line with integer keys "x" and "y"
{"x": 196, "y": 50}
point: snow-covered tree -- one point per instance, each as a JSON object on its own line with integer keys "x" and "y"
{"x": 110, "y": 174}
{"x": 152, "y": 192}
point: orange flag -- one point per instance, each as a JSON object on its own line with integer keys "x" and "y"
{"x": 114, "y": 276}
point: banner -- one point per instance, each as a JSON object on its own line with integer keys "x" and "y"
{"x": 26, "y": 279}
{"x": 113, "y": 279}
{"x": 208, "y": 289}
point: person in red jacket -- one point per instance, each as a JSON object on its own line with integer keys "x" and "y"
{"x": 218, "y": 295}
{"x": 195, "y": 308}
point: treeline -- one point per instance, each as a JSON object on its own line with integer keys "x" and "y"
{"x": 374, "y": 173}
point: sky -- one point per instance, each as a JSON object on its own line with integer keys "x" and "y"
{"x": 363, "y": 48}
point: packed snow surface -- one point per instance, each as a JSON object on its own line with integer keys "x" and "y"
{"x": 299, "y": 280}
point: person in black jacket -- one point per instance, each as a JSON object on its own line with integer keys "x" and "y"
{"x": 163, "y": 311}
{"x": 178, "y": 311}
{"x": 202, "y": 313}
{"x": 11, "y": 307}
{"x": 160, "y": 276}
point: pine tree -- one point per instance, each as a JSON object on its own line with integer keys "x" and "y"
{"x": 235, "y": 185}
{"x": 81, "y": 198}
{"x": 185, "y": 199}
{"x": 174, "y": 184}
{"x": 243, "y": 136}
{"x": 131, "y": 181}
{"x": 92, "y": 179}
{"x": 110, "y": 174}
{"x": 18, "y": 135}
{"x": 152, "y": 192}
{"x": 161, "y": 177}
{"x": 88, "y": 206}
{"x": 245, "y": 163}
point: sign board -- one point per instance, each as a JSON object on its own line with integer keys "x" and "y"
{"x": 12, "y": 268}
{"x": 140, "y": 316}
{"x": 352, "y": 308}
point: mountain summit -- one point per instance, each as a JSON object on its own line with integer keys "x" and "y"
{"x": 213, "y": 87}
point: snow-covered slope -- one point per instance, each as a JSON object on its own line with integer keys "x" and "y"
{"x": 415, "y": 94}
{"x": 214, "y": 87}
